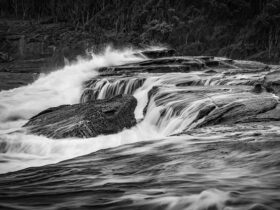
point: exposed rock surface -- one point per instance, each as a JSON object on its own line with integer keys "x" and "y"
{"x": 239, "y": 107}
{"x": 165, "y": 65}
{"x": 158, "y": 53}
{"x": 186, "y": 64}
{"x": 203, "y": 106}
{"x": 86, "y": 119}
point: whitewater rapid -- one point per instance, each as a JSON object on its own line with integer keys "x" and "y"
{"x": 19, "y": 150}
{"x": 170, "y": 110}
{"x": 210, "y": 167}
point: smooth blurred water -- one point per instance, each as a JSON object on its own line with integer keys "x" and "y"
{"x": 209, "y": 169}
{"x": 148, "y": 166}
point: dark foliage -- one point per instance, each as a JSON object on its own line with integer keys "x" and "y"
{"x": 234, "y": 28}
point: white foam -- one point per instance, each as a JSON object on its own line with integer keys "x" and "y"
{"x": 63, "y": 86}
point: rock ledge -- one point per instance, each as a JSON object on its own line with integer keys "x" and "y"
{"x": 85, "y": 120}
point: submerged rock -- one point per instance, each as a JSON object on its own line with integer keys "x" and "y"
{"x": 85, "y": 120}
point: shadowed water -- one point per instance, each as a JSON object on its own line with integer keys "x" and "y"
{"x": 197, "y": 171}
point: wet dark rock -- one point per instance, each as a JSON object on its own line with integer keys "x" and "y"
{"x": 190, "y": 61}
{"x": 258, "y": 88}
{"x": 149, "y": 69}
{"x": 159, "y": 53}
{"x": 186, "y": 64}
{"x": 241, "y": 107}
{"x": 212, "y": 63}
{"x": 85, "y": 120}
{"x": 271, "y": 115}
{"x": 187, "y": 83}
{"x": 163, "y": 65}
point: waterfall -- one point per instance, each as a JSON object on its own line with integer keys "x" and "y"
{"x": 166, "y": 105}
{"x": 65, "y": 86}
{"x": 104, "y": 88}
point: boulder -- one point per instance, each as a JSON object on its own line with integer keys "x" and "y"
{"x": 85, "y": 120}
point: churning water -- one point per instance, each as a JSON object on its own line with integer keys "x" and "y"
{"x": 147, "y": 166}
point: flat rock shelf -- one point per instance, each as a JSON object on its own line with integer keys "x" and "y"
{"x": 85, "y": 120}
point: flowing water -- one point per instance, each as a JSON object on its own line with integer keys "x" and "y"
{"x": 148, "y": 166}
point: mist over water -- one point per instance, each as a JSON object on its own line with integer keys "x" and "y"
{"x": 64, "y": 86}
{"x": 19, "y": 150}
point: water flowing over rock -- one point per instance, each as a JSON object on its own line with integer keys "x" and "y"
{"x": 85, "y": 120}
{"x": 237, "y": 108}
{"x": 208, "y": 90}
{"x": 206, "y": 137}
{"x": 107, "y": 88}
